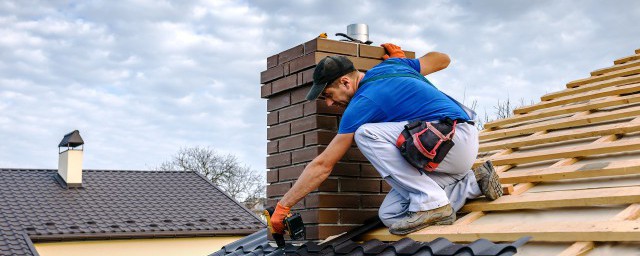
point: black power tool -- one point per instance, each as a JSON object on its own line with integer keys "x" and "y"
{"x": 293, "y": 226}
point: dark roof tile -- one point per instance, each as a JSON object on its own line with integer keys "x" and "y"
{"x": 114, "y": 204}
{"x": 347, "y": 244}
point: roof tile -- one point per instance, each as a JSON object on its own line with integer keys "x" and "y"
{"x": 347, "y": 244}
{"x": 114, "y": 204}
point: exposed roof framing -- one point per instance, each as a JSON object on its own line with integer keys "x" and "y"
{"x": 571, "y": 150}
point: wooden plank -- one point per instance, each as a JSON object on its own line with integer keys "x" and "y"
{"x": 507, "y": 189}
{"x": 623, "y": 72}
{"x": 602, "y": 71}
{"x": 618, "y": 81}
{"x": 576, "y": 171}
{"x": 561, "y": 110}
{"x": 588, "y": 95}
{"x": 523, "y": 187}
{"x": 500, "y": 153}
{"x": 556, "y": 199}
{"x": 580, "y": 248}
{"x": 587, "y": 132}
{"x": 561, "y": 123}
{"x": 473, "y": 216}
{"x": 630, "y": 213}
{"x": 626, "y": 59}
{"x": 578, "y": 151}
{"x": 469, "y": 218}
{"x": 566, "y": 231}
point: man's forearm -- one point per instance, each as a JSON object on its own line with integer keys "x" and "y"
{"x": 433, "y": 62}
{"x": 310, "y": 179}
{"x": 318, "y": 170}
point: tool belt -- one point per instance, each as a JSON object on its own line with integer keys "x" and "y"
{"x": 425, "y": 144}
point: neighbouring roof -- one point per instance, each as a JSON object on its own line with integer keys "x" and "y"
{"x": 112, "y": 205}
{"x": 571, "y": 163}
{"x": 257, "y": 244}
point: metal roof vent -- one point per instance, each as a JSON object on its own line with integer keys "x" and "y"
{"x": 357, "y": 33}
{"x": 70, "y": 160}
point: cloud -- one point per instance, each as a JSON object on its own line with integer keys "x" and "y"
{"x": 141, "y": 79}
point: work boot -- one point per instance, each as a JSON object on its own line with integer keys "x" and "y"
{"x": 419, "y": 220}
{"x": 488, "y": 181}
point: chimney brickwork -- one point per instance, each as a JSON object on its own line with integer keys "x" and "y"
{"x": 300, "y": 130}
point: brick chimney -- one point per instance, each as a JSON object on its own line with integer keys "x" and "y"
{"x": 300, "y": 130}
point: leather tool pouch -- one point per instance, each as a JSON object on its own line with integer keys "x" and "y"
{"x": 425, "y": 144}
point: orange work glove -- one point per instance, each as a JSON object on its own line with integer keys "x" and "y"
{"x": 277, "y": 220}
{"x": 393, "y": 51}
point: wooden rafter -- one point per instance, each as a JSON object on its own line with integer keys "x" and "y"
{"x": 575, "y": 171}
{"x": 555, "y": 199}
{"x": 580, "y": 133}
{"x": 565, "y": 231}
{"x": 594, "y": 118}
{"x": 588, "y": 95}
{"x": 619, "y": 73}
{"x": 603, "y": 71}
{"x": 562, "y": 110}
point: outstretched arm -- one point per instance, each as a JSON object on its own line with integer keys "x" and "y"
{"x": 433, "y": 62}
{"x": 429, "y": 63}
{"x": 313, "y": 175}
{"x": 318, "y": 170}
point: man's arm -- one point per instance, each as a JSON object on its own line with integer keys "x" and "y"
{"x": 433, "y": 62}
{"x": 318, "y": 170}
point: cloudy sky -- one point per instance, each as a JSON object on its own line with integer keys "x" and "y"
{"x": 140, "y": 79}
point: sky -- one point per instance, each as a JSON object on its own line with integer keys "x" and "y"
{"x": 141, "y": 79}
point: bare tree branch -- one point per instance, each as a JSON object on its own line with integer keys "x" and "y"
{"x": 225, "y": 171}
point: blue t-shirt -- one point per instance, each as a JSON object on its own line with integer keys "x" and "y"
{"x": 397, "y": 99}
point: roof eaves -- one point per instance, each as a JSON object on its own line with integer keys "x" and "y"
{"x": 138, "y": 235}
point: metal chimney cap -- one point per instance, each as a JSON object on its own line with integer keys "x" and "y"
{"x": 72, "y": 140}
{"x": 358, "y": 31}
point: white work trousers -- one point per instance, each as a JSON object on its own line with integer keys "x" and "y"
{"x": 452, "y": 182}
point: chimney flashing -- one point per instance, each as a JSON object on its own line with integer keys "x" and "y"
{"x": 64, "y": 184}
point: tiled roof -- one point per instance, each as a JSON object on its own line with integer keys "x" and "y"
{"x": 257, "y": 244}
{"x": 114, "y": 204}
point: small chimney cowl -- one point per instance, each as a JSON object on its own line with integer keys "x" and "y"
{"x": 356, "y": 33}
{"x": 70, "y": 160}
{"x": 71, "y": 140}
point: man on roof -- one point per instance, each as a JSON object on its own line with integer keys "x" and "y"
{"x": 405, "y": 127}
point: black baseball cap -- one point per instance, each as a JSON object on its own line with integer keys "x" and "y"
{"x": 328, "y": 70}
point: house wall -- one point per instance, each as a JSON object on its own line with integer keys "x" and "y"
{"x": 134, "y": 247}
{"x": 300, "y": 130}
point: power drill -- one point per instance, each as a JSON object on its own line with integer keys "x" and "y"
{"x": 293, "y": 226}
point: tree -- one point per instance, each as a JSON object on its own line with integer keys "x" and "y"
{"x": 225, "y": 171}
{"x": 504, "y": 109}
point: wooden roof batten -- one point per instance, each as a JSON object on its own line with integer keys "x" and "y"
{"x": 602, "y": 108}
